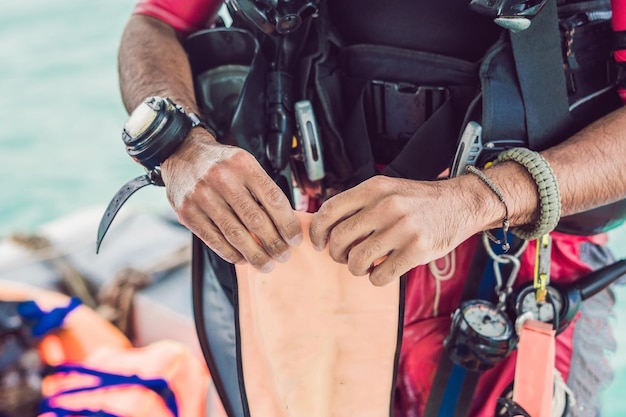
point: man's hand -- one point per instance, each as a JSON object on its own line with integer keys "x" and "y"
{"x": 225, "y": 198}
{"x": 386, "y": 226}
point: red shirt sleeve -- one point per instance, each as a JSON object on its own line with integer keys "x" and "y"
{"x": 185, "y": 16}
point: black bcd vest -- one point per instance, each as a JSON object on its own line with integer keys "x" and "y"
{"x": 384, "y": 108}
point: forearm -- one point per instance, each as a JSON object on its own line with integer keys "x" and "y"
{"x": 152, "y": 62}
{"x": 219, "y": 192}
{"x": 588, "y": 167}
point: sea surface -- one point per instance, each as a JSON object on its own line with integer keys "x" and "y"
{"x": 60, "y": 121}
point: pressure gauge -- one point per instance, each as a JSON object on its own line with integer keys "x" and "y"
{"x": 480, "y": 335}
{"x": 526, "y": 301}
{"x": 564, "y": 300}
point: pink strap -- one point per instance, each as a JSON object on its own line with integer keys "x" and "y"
{"x": 533, "y": 384}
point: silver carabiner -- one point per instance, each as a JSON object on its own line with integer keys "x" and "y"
{"x": 504, "y": 289}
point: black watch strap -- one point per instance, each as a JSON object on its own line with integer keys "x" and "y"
{"x": 118, "y": 201}
{"x": 196, "y": 121}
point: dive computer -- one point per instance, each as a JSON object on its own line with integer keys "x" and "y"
{"x": 155, "y": 129}
{"x": 152, "y": 133}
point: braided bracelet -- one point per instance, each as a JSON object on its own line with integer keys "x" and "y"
{"x": 549, "y": 195}
{"x": 505, "y": 221}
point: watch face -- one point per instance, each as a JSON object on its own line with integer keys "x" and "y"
{"x": 487, "y": 321}
{"x": 541, "y": 311}
{"x": 141, "y": 119}
{"x": 154, "y": 131}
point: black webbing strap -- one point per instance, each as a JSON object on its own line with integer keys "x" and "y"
{"x": 538, "y": 59}
{"x": 434, "y": 141}
{"x": 453, "y": 386}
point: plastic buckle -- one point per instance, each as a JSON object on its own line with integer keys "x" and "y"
{"x": 402, "y": 108}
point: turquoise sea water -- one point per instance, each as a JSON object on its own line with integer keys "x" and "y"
{"x": 60, "y": 121}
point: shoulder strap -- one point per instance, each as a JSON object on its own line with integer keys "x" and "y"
{"x": 537, "y": 56}
{"x": 538, "y": 60}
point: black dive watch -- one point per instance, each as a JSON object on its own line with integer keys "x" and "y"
{"x": 154, "y": 130}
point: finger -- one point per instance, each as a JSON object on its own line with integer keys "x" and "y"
{"x": 205, "y": 230}
{"x": 278, "y": 208}
{"x": 383, "y": 256}
{"x": 331, "y": 213}
{"x": 347, "y": 234}
{"x": 368, "y": 253}
{"x": 252, "y": 214}
{"x": 368, "y": 225}
{"x": 235, "y": 211}
{"x": 238, "y": 235}
{"x": 396, "y": 264}
{"x": 257, "y": 221}
{"x": 232, "y": 229}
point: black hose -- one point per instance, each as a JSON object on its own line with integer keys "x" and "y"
{"x": 598, "y": 280}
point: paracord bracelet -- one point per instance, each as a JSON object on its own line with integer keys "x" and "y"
{"x": 547, "y": 186}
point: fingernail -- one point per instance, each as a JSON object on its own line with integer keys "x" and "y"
{"x": 295, "y": 241}
{"x": 284, "y": 257}
{"x": 267, "y": 267}
{"x": 318, "y": 247}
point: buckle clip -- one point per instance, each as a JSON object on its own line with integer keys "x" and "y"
{"x": 400, "y": 109}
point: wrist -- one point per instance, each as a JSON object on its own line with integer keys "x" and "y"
{"x": 155, "y": 130}
{"x": 197, "y": 142}
{"x": 485, "y": 210}
{"x": 545, "y": 188}
{"x": 516, "y": 196}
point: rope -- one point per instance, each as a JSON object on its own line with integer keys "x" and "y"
{"x": 114, "y": 299}
{"x": 116, "y": 296}
{"x": 443, "y": 274}
{"x": 562, "y": 397}
{"x": 75, "y": 283}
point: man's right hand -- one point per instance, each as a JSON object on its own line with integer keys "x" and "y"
{"x": 223, "y": 195}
